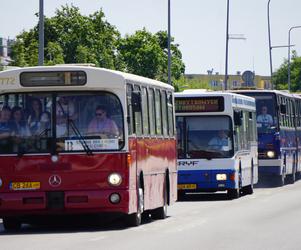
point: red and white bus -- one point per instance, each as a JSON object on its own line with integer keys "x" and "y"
{"x": 80, "y": 139}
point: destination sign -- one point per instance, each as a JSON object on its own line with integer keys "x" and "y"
{"x": 50, "y": 78}
{"x": 199, "y": 104}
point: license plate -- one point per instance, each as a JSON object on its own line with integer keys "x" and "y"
{"x": 25, "y": 185}
{"x": 186, "y": 186}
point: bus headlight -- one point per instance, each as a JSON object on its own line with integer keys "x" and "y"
{"x": 221, "y": 177}
{"x": 271, "y": 154}
{"x": 115, "y": 179}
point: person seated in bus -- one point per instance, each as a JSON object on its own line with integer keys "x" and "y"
{"x": 5, "y": 130}
{"x": 65, "y": 113}
{"x": 220, "y": 142}
{"x": 19, "y": 125}
{"x": 35, "y": 116}
{"x": 265, "y": 118}
{"x": 102, "y": 125}
{"x": 45, "y": 124}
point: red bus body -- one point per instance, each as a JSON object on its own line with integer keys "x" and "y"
{"x": 76, "y": 183}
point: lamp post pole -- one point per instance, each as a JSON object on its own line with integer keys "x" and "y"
{"x": 169, "y": 42}
{"x": 270, "y": 45}
{"x": 227, "y": 47}
{"x": 41, "y": 34}
{"x": 289, "y": 57}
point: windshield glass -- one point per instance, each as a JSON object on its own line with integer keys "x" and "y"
{"x": 204, "y": 137}
{"x": 40, "y": 123}
{"x": 266, "y": 112}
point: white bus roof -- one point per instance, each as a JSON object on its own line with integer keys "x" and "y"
{"x": 96, "y": 78}
{"x": 278, "y": 92}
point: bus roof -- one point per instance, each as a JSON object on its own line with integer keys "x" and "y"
{"x": 237, "y": 100}
{"x": 96, "y": 78}
{"x": 277, "y": 92}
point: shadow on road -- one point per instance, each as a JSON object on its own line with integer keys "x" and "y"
{"x": 203, "y": 197}
{"x": 72, "y": 224}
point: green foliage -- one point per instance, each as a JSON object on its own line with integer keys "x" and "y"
{"x": 146, "y": 54}
{"x": 280, "y": 77}
{"x": 74, "y": 38}
{"x": 70, "y": 38}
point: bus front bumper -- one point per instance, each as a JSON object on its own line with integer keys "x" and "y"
{"x": 67, "y": 202}
{"x": 269, "y": 167}
{"x": 206, "y": 180}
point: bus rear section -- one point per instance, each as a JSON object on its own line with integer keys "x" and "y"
{"x": 216, "y": 144}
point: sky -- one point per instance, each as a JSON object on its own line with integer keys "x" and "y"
{"x": 198, "y": 26}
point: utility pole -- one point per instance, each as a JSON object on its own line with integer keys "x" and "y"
{"x": 41, "y": 33}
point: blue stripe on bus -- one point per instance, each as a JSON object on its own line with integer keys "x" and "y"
{"x": 206, "y": 179}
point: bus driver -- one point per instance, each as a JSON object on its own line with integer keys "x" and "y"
{"x": 264, "y": 117}
{"x": 102, "y": 125}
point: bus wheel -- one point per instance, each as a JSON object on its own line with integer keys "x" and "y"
{"x": 160, "y": 213}
{"x": 135, "y": 219}
{"x": 11, "y": 224}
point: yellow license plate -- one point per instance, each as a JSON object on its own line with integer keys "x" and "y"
{"x": 25, "y": 185}
{"x": 187, "y": 186}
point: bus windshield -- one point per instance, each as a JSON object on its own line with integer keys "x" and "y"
{"x": 60, "y": 122}
{"x": 204, "y": 137}
{"x": 266, "y": 112}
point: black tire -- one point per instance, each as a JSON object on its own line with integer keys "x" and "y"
{"x": 160, "y": 213}
{"x": 11, "y": 224}
{"x": 135, "y": 219}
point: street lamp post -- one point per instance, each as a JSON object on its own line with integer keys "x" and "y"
{"x": 169, "y": 42}
{"x": 227, "y": 47}
{"x": 289, "y": 57}
{"x": 270, "y": 45}
{"x": 41, "y": 34}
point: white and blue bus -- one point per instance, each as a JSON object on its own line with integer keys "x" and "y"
{"x": 217, "y": 142}
{"x": 279, "y": 134}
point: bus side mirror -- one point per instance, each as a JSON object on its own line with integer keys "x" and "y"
{"x": 282, "y": 109}
{"x": 136, "y": 101}
{"x": 237, "y": 118}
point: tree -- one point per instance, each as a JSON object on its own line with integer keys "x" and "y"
{"x": 70, "y": 38}
{"x": 145, "y": 54}
{"x": 280, "y": 77}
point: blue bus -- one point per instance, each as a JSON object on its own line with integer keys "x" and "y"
{"x": 217, "y": 142}
{"x": 279, "y": 134}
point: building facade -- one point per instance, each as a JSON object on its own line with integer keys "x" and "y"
{"x": 217, "y": 81}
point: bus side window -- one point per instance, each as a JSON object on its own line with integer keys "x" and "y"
{"x": 170, "y": 114}
{"x": 158, "y": 112}
{"x": 129, "y": 109}
{"x": 152, "y": 114}
{"x": 164, "y": 113}
{"x": 138, "y": 114}
{"x": 144, "y": 101}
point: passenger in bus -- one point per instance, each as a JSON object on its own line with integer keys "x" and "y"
{"x": 34, "y": 118}
{"x": 220, "y": 142}
{"x": 19, "y": 125}
{"x": 102, "y": 125}
{"x": 65, "y": 113}
{"x": 5, "y": 130}
{"x": 265, "y": 118}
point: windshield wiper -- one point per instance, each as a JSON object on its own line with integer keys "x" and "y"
{"x": 76, "y": 131}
